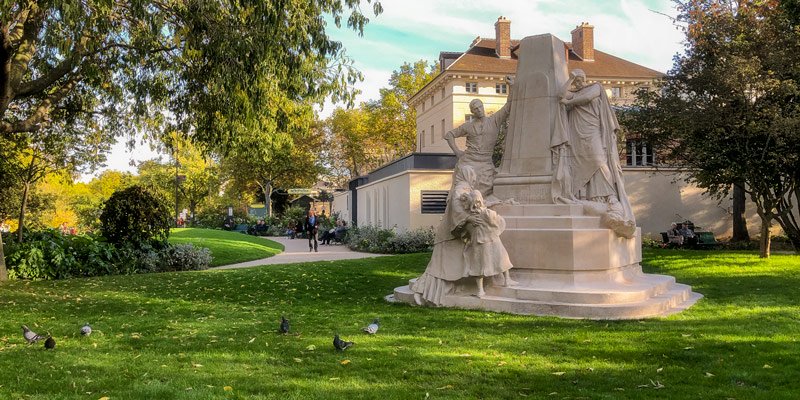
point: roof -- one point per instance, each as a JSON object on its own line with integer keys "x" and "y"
{"x": 482, "y": 58}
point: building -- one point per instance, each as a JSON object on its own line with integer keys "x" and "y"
{"x": 411, "y": 192}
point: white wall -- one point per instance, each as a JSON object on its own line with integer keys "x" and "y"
{"x": 342, "y": 204}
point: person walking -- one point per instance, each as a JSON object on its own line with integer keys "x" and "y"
{"x": 311, "y": 227}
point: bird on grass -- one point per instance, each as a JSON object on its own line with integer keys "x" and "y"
{"x": 50, "y": 343}
{"x": 86, "y": 330}
{"x": 31, "y": 336}
{"x": 373, "y": 327}
{"x": 284, "y": 325}
{"x": 340, "y": 344}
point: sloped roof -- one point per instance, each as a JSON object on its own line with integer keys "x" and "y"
{"x": 481, "y": 57}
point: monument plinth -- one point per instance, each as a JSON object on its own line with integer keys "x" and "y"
{"x": 569, "y": 234}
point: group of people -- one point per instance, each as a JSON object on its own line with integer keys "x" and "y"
{"x": 682, "y": 235}
{"x": 333, "y": 233}
{"x": 310, "y": 226}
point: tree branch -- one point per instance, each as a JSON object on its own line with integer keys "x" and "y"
{"x": 32, "y": 123}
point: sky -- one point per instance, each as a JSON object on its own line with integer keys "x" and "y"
{"x": 641, "y": 31}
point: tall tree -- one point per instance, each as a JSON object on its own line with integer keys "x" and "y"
{"x": 378, "y": 131}
{"x": 728, "y": 111}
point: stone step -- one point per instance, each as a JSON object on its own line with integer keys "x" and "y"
{"x": 538, "y": 210}
{"x": 550, "y": 222}
{"x": 676, "y": 299}
{"x": 640, "y": 289}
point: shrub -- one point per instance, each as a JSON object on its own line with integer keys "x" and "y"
{"x": 135, "y": 216}
{"x": 185, "y": 257}
{"x": 373, "y": 239}
{"x": 50, "y": 255}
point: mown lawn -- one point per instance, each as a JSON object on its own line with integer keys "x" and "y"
{"x": 193, "y": 335}
{"x": 227, "y": 247}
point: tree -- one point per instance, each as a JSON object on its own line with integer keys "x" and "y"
{"x": 378, "y": 131}
{"x": 727, "y": 113}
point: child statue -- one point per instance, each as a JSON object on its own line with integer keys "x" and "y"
{"x": 484, "y": 253}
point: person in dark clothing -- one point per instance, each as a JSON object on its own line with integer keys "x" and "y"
{"x": 311, "y": 227}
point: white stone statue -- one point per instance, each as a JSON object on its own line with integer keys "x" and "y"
{"x": 592, "y": 175}
{"x": 447, "y": 263}
{"x": 481, "y": 134}
{"x": 484, "y": 253}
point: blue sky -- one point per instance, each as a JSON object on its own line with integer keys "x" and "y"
{"x": 410, "y": 30}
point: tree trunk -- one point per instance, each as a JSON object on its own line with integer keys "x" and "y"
{"x": 740, "y": 233}
{"x": 22, "y": 210}
{"x": 192, "y": 215}
{"x": 3, "y": 270}
{"x": 268, "y": 199}
{"x": 764, "y": 242}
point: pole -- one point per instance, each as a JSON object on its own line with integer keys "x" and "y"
{"x": 177, "y": 211}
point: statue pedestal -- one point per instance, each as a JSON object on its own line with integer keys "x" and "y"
{"x": 567, "y": 265}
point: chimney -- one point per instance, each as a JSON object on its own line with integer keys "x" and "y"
{"x": 583, "y": 41}
{"x": 502, "y": 37}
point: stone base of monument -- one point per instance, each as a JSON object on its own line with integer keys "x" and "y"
{"x": 568, "y": 265}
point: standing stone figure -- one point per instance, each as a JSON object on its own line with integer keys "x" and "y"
{"x": 594, "y": 172}
{"x": 447, "y": 263}
{"x": 485, "y": 254}
{"x": 481, "y": 134}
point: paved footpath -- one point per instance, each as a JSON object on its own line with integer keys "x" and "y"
{"x": 296, "y": 251}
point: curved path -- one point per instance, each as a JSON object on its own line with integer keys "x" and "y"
{"x": 296, "y": 251}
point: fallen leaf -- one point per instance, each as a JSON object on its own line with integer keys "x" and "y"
{"x": 767, "y": 366}
{"x": 104, "y": 398}
{"x": 688, "y": 348}
{"x": 501, "y": 363}
{"x": 709, "y": 374}
{"x": 197, "y": 365}
{"x": 345, "y": 362}
{"x": 333, "y": 379}
{"x": 228, "y": 388}
{"x": 559, "y": 373}
{"x": 299, "y": 360}
{"x": 252, "y": 340}
{"x": 311, "y": 347}
{"x": 660, "y": 369}
{"x": 445, "y": 387}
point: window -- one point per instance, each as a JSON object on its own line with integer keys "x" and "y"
{"x": 501, "y": 88}
{"x": 433, "y": 135}
{"x": 441, "y": 97}
{"x": 422, "y": 139}
{"x": 443, "y": 131}
{"x": 638, "y": 153}
{"x": 616, "y": 92}
{"x": 467, "y": 118}
{"x": 423, "y": 105}
{"x": 472, "y": 87}
{"x": 433, "y": 201}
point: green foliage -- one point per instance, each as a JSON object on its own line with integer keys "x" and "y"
{"x": 378, "y": 131}
{"x": 373, "y": 239}
{"x": 46, "y": 255}
{"x": 135, "y": 216}
{"x": 727, "y": 111}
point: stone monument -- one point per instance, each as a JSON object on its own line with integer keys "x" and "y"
{"x": 569, "y": 230}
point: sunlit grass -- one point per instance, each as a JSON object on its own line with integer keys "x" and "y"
{"x": 227, "y": 247}
{"x": 189, "y": 335}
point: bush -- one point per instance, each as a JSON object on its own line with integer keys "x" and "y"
{"x": 135, "y": 216}
{"x": 373, "y": 239}
{"x": 50, "y": 255}
{"x": 185, "y": 257}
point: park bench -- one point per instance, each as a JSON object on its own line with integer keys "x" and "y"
{"x": 241, "y": 228}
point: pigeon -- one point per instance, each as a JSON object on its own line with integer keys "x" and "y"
{"x": 50, "y": 343}
{"x": 340, "y": 344}
{"x": 373, "y": 327}
{"x": 31, "y": 336}
{"x": 86, "y": 330}
{"x": 284, "y": 325}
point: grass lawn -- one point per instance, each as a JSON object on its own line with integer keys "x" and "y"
{"x": 226, "y": 247}
{"x": 212, "y": 335}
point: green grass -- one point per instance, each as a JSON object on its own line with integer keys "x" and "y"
{"x": 189, "y": 335}
{"x": 227, "y": 247}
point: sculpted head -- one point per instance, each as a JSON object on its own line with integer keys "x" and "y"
{"x": 476, "y": 107}
{"x": 580, "y": 78}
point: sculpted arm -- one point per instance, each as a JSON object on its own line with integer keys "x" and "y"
{"x": 451, "y": 136}
{"x": 584, "y": 96}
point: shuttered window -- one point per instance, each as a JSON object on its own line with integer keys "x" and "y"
{"x": 434, "y": 201}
